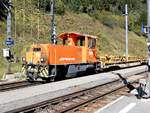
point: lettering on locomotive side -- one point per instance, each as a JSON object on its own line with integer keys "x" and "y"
{"x": 67, "y": 59}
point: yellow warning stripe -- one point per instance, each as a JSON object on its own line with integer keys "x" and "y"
{"x": 44, "y": 72}
{"x": 23, "y": 70}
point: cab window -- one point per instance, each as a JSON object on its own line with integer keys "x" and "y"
{"x": 81, "y": 41}
{"x": 91, "y": 43}
{"x": 65, "y": 41}
{"x": 59, "y": 41}
{"x": 36, "y": 49}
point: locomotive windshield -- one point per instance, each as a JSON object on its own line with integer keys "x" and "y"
{"x": 81, "y": 41}
{"x": 36, "y": 49}
{"x": 65, "y": 41}
{"x": 91, "y": 43}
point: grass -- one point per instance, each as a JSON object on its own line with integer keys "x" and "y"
{"x": 111, "y": 40}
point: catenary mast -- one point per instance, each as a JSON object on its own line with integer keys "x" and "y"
{"x": 53, "y": 24}
{"x": 148, "y": 35}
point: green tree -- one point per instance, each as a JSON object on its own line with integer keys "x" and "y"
{"x": 3, "y": 10}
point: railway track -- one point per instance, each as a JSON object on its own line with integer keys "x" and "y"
{"x": 16, "y": 85}
{"x": 21, "y": 84}
{"x": 76, "y": 101}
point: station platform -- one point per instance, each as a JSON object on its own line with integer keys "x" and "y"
{"x": 19, "y": 98}
{"x": 127, "y": 104}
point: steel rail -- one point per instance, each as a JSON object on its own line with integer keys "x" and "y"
{"x": 6, "y": 86}
{"x": 16, "y": 85}
{"x": 73, "y": 101}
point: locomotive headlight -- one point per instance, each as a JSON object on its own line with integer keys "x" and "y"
{"x": 42, "y": 60}
{"x": 23, "y": 59}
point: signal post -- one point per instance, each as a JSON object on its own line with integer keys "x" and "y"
{"x": 148, "y": 44}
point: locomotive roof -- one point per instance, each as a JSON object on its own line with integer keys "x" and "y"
{"x": 76, "y": 35}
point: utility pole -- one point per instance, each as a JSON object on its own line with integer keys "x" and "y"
{"x": 126, "y": 32}
{"x": 9, "y": 41}
{"x": 53, "y": 32}
{"x": 9, "y": 21}
{"x": 148, "y": 44}
{"x": 9, "y": 33}
{"x": 53, "y": 25}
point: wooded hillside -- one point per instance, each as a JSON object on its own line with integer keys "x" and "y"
{"x": 102, "y": 18}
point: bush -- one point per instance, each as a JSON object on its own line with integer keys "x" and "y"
{"x": 106, "y": 19}
{"x": 60, "y": 9}
{"x": 109, "y": 21}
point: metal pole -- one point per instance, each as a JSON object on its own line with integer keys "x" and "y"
{"x": 53, "y": 31}
{"x": 53, "y": 26}
{"x": 126, "y": 27}
{"x": 38, "y": 20}
{"x": 9, "y": 21}
{"x": 148, "y": 34}
{"x": 9, "y": 33}
{"x": 23, "y": 19}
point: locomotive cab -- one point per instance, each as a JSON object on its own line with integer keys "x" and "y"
{"x": 76, "y": 54}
